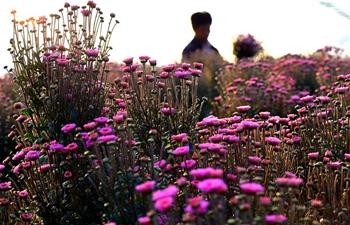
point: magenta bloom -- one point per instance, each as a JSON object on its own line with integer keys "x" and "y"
{"x": 110, "y": 223}
{"x": 118, "y": 118}
{"x": 341, "y": 90}
{"x": 144, "y": 220}
{"x": 313, "y": 155}
{"x": 105, "y": 130}
{"x": 67, "y": 174}
{"x": 169, "y": 67}
{"x": 23, "y": 194}
{"x": 254, "y": 159}
{"x": 202, "y": 208}
{"x": 71, "y": 147}
{"x": 215, "y": 147}
{"x": 107, "y": 138}
{"x": 275, "y": 219}
{"x": 273, "y": 141}
{"x": 171, "y": 190}
{"x": 18, "y": 156}
{"x": 92, "y": 52}
{"x": 101, "y": 120}
{"x": 180, "y": 151}
{"x": 250, "y": 125}
{"x": 251, "y": 188}
{"x": 5, "y": 186}
{"x": 4, "y": 201}
{"x": 346, "y": 155}
{"x": 179, "y": 137}
{"x": 90, "y": 126}
{"x": 164, "y": 204}
{"x": 160, "y": 164}
{"x": 167, "y": 111}
{"x": 201, "y": 173}
{"x": 68, "y": 127}
{"x": 56, "y": 147}
{"x": 181, "y": 74}
{"x": 85, "y": 12}
{"x": 26, "y": 216}
{"x": 264, "y": 115}
{"x": 290, "y": 174}
{"x": 243, "y": 109}
{"x": 62, "y": 61}
{"x": 188, "y": 164}
{"x": 44, "y": 168}
{"x": 2, "y": 167}
{"x": 18, "y": 105}
{"x": 33, "y": 155}
{"x": 265, "y": 200}
{"x": 212, "y": 185}
{"x": 145, "y": 187}
{"x": 128, "y": 61}
{"x": 295, "y": 182}
{"x": 334, "y": 165}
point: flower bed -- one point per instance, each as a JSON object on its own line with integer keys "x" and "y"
{"x": 134, "y": 150}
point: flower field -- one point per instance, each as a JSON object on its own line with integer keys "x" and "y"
{"x": 89, "y": 141}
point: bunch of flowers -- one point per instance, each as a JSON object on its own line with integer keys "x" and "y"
{"x": 276, "y": 85}
{"x": 60, "y": 66}
{"x": 165, "y": 101}
{"x": 60, "y": 72}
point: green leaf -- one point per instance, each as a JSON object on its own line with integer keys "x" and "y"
{"x": 30, "y": 136}
{"x": 27, "y": 112}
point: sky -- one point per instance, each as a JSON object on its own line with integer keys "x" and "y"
{"x": 162, "y": 28}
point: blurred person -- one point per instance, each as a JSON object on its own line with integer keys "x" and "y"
{"x": 201, "y": 22}
{"x": 200, "y": 50}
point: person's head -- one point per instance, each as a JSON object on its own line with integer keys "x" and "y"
{"x": 201, "y": 22}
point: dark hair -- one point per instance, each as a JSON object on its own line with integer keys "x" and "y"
{"x": 200, "y": 18}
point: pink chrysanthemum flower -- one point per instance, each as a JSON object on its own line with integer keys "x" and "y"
{"x": 167, "y": 111}
{"x": 164, "y": 204}
{"x": 33, "y": 155}
{"x": 23, "y": 194}
{"x": 26, "y": 216}
{"x": 188, "y": 164}
{"x": 171, "y": 190}
{"x": 254, "y": 159}
{"x": 200, "y": 209}
{"x": 144, "y": 220}
{"x": 105, "y": 130}
{"x": 92, "y": 52}
{"x": 252, "y": 188}
{"x": 250, "y": 125}
{"x": 273, "y": 141}
{"x": 90, "y": 126}
{"x": 146, "y": 187}
{"x": 275, "y": 219}
{"x": 101, "y": 120}
{"x": 18, "y": 156}
{"x": 44, "y": 168}
{"x": 71, "y": 147}
{"x": 68, "y": 127}
{"x": 67, "y": 174}
{"x": 5, "y": 186}
{"x": 201, "y": 173}
{"x": 107, "y": 138}
{"x": 243, "y": 109}
{"x": 179, "y": 137}
{"x": 212, "y": 185}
